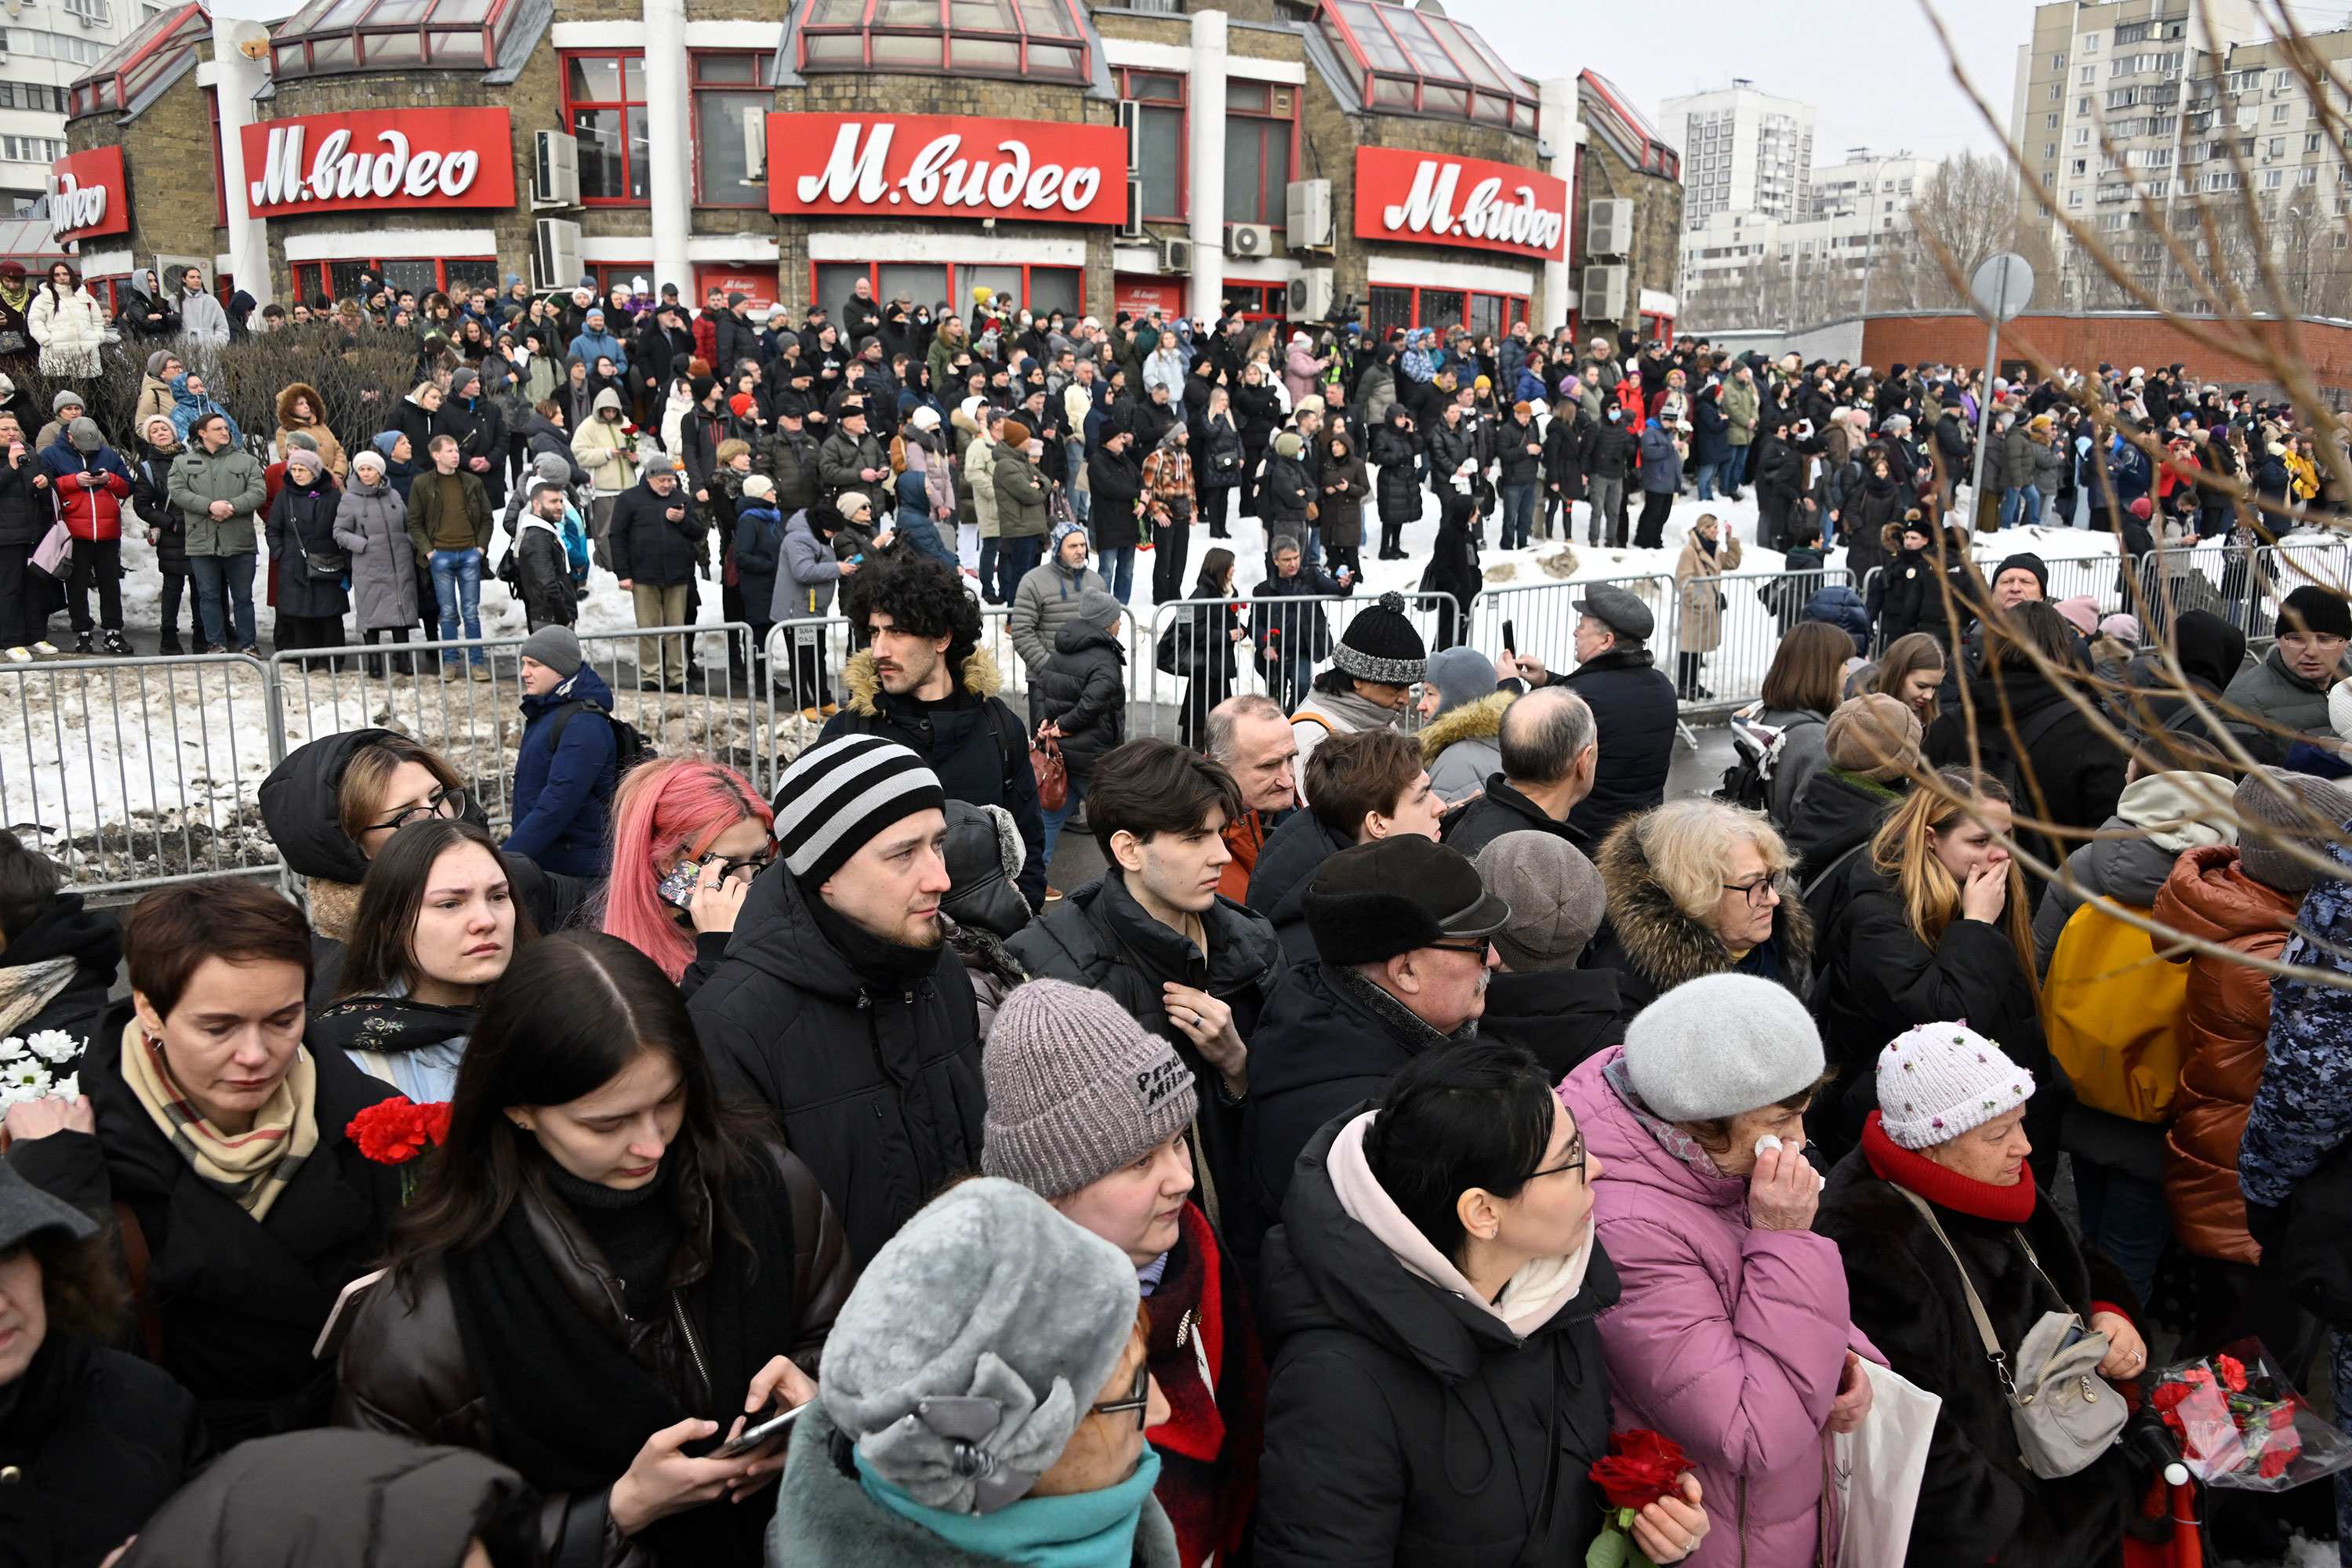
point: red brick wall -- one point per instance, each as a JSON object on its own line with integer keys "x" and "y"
{"x": 2085, "y": 342}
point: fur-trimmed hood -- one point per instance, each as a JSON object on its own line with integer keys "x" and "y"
{"x": 1478, "y": 720}
{"x": 1666, "y": 946}
{"x": 286, "y": 397}
{"x": 978, "y": 676}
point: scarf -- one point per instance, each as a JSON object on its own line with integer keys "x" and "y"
{"x": 1944, "y": 1188}
{"x": 1205, "y": 1353}
{"x": 250, "y": 1168}
{"x": 882, "y": 964}
{"x": 27, "y": 988}
{"x": 17, "y": 296}
{"x": 1671, "y": 1138}
{"x": 1412, "y": 1031}
{"x": 1083, "y": 1530}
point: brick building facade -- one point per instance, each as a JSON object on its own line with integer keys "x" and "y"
{"x": 2089, "y": 339}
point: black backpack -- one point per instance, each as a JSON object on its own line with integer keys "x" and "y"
{"x": 630, "y": 746}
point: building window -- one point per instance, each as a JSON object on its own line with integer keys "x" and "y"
{"x": 2057, "y": 62}
{"x": 32, "y": 148}
{"x": 2090, "y": 43}
{"x": 1420, "y": 62}
{"x": 1160, "y": 142}
{"x": 2090, "y": 74}
{"x": 33, "y": 95}
{"x": 2278, "y": 115}
{"x": 1444, "y": 309}
{"x": 967, "y": 37}
{"x": 604, "y": 105}
{"x": 378, "y": 35}
{"x": 1040, "y": 290}
{"x": 320, "y": 284}
{"x": 732, "y": 95}
{"x": 1258, "y": 121}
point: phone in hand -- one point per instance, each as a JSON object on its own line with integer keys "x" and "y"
{"x": 678, "y": 888}
{"x": 759, "y": 1432}
{"x": 1510, "y": 640}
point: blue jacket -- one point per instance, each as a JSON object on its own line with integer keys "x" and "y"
{"x": 187, "y": 407}
{"x": 1661, "y": 465}
{"x": 588, "y": 345}
{"x": 563, "y": 792}
{"x": 2304, "y": 1108}
{"x": 759, "y": 550}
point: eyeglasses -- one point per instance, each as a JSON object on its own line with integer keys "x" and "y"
{"x": 1777, "y": 883}
{"x": 1474, "y": 949}
{"x": 1574, "y": 1162}
{"x": 751, "y": 864}
{"x": 446, "y": 801}
{"x": 1139, "y": 1398}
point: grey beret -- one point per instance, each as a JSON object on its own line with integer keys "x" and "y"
{"x": 975, "y": 1341}
{"x": 1721, "y": 1044}
{"x": 1618, "y": 610}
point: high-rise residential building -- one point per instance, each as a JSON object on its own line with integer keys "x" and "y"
{"x": 1856, "y": 218}
{"x": 45, "y": 46}
{"x": 1743, "y": 151}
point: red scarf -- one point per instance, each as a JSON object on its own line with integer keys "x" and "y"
{"x": 1209, "y": 1444}
{"x": 1943, "y": 1187}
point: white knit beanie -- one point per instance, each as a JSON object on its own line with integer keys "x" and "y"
{"x": 1938, "y": 1080}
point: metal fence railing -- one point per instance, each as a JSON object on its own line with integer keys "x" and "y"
{"x": 1725, "y": 630}
{"x": 1175, "y": 702}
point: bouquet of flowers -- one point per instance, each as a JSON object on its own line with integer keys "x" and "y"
{"x": 2241, "y": 1423}
{"x": 28, "y": 1068}
{"x": 1640, "y": 1468}
{"x": 397, "y": 1132}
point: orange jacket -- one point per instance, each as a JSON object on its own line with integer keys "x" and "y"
{"x": 1244, "y": 835}
{"x": 2228, "y": 1021}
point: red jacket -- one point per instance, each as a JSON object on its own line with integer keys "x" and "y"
{"x": 705, "y": 338}
{"x": 93, "y": 514}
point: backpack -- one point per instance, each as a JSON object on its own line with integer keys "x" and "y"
{"x": 2116, "y": 1015}
{"x": 630, "y": 746}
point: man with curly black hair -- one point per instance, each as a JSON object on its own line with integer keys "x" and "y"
{"x": 928, "y": 684}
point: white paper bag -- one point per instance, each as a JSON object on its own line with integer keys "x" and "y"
{"x": 1879, "y": 1466}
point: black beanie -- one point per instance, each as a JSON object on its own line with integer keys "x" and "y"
{"x": 1382, "y": 645}
{"x": 2314, "y": 609}
{"x": 2027, "y": 560}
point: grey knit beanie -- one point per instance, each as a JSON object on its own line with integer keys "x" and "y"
{"x": 974, "y": 1344}
{"x": 2259, "y": 805}
{"x": 1099, "y": 609}
{"x": 1077, "y": 1089}
{"x": 1721, "y": 1044}
{"x": 558, "y": 647}
{"x": 66, "y": 397}
{"x": 1462, "y": 674}
{"x": 1556, "y": 897}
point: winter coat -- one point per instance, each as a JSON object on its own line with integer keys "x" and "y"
{"x": 758, "y": 553}
{"x": 2129, "y": 870}
{"x": 877, "y": 1090}
{"x": 241, "y": 1302}
{"x": 792, "y": 464}
{"x": 1301, "y": 370}
{"x": 842, "y": 458}
{"x": 1499, "y": 809}
{"x": 1906, "y": 596}
{"x": 1655, "y": 947}
{"x": 1711, "y": 432}
{"x": 1083, "y": 689}
{"x": 372, "y": 527}
{"x": 1044, "y": 604}
{"x": 2077, "y": 770}
{"x": 1283, "y": 492}
{"x": 2208, "y": 895}
{"x": 1298, "y": 629}
{"x": 92, "y": 941}
{"x": 1835, "y": 812}
{"x": 27, "y": 513}
{"x": 1395, "y": 490}
{"x": 807, "y": 574}
{"x": 479, "y": 428}
{"x": 1804, "y": 752}
{"x": 1340, "y": 513}
{"x": 93, "y": 1441}
{"x": 69, "y": 330}
{"x": 1739, "y": 409}
{"x": 1020, "y": 493}
{"x": 303, "y": 524}
{"x": 1634, "y": 708}
{"x": 1662, "y": 463}
{"x": 1407, "y": 1425}
{"x": 563, "y": 785}
{"x": 543, "y": 568}
{"x": 649, "y": 548}
{"x": 424, "y": 503}
{"x": 1277, "y": 883}
{"x": 1978, "y": 1502}
{"x": 200, "y": 478}
{"x": 331, "y": 449}
{"x": 91, "y": 513}
{"x": 2049, "y": 466}
{"x": 1561, "y": 1016}
{"x": 2270, "y": 690}
{"x": 604, "y": 447}
{"x": 1462, "y": 746}
{"x": 1699, "y": 627}
{"x": 2304, "y": 1109}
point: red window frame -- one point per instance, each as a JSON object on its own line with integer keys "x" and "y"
{"x": 1239, "y": 107}
{"x": 958, "y": 285}
{"x": 763, "y": 80}
{"x": 621, "y": 57}
{"x": 320, "y": 274}
{"x": 841, "y": 35}
{"x": 1183, "y": 106}
{"x": 1271, "y": 299}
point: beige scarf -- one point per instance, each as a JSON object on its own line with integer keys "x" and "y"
{"x": 251, "y": 1167}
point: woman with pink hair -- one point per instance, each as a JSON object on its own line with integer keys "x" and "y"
{"x": 688, "y": 835}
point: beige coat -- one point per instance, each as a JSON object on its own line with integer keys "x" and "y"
{"x": 1699, "y": 627}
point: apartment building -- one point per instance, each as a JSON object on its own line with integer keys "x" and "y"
{"x": 1742, "y": 152}
{"x": 45, "y": 45}
{"x": 1855, "y": 219}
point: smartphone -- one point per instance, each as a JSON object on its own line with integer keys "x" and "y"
{"x": 752, "y": 1437}
{"x": 678, "y": 888}
{"x": 1510, "y": 640}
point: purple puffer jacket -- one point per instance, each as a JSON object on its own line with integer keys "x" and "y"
{"x": 1729, "y": 1340}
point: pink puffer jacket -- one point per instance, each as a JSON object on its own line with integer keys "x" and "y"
{"x": 1729, "y": 1340}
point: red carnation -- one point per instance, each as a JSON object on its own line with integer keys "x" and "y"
{"x": 1641, "y": 1468}
{"x": 395, "y": 1131}
{"x": 2233, "y": 1372}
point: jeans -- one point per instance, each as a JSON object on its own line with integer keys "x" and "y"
{"x": 1706, "y": 472}
{"x": 2124, "y": 1218}
{"x": 1518, "y": 516}
{"x": 1054, "y": 820}
{"x": 2021, "y": 505}
{"x": 1116, "y": 564}
{"x": 457, "y": 587}
{"x": 231, "y": 575}
{"x": 1016, "y": 559}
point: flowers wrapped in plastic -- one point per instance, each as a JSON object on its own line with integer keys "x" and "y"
{"x": 2242, "y": 1425}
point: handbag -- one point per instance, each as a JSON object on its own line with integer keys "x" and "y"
{"x": 2064, "y": 1422}
{"x": 325, "y": 566}
{"x": 1053, "y": 774}
{"x": 53, "y": 557}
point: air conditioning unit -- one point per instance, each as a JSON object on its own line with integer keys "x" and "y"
{"x": 1308, "y": 210}
{"x": 1604, "y": 295}
{"x": 1175, "y": 256}
{"x": 1248, "y": 240}
{"x": 1130, "y": 120}
{"x": 1308, "y": 297}
{"x": 557, "y": 253}
{"x": 1131, "y": 227}
{"x": 1609, "y": 227}
{"x": 555, "y": 169}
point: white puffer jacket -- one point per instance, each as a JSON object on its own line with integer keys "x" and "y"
{"x": 69, "y": 333}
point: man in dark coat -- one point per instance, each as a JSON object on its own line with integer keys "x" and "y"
{"x": 839, "y": 1005}
{"x": 1192, "y": 966}
{"x": 1550, "y": 753}
{"x": 1634, "y": 711}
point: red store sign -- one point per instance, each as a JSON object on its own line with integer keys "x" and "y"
{"x": 1422, "y": 198}
{"x": 87, "y": 196}
{"x": 380, "y": 159}
{"x": 936, "y": 166}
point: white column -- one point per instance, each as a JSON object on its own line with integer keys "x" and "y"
{"x": 1558, "y": 129}
{"x": 1206, "y": 158}
{"x": 668, "y": 109}
{"x": 235, "y": 80}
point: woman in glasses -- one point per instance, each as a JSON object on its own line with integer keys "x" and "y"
{"x": 603, "y": 1270}
{"x": 1440, "y": 1393}
{"x": 438, "y": 925}
{"x": 688, "y": 835}
{"x": 1698, "y": 887}
{"x": 1733, "y": 1335}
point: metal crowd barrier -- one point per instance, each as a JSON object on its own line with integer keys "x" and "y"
{"x": 1734, "y": 626}
{"x": 1176, "y": 707}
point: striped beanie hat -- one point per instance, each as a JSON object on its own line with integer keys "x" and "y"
{"x": 837, "y": 796}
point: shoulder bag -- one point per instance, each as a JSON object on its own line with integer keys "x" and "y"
{"x": 2065, "y": 1416}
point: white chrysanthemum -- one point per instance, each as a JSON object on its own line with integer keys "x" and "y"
{"x": 22, "y": 1081}
{"x": 67, "y": 1087}
{"x": 52, "y": 1045}
{"x": 11, "y": 1048}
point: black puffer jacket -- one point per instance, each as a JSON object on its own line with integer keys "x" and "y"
{"x": 1634, "y": 709}
{"x": 1839, "y": 811}
{"x": 25, "y": 514}
{"x": 92, "y": 1441}
{"x": 1395, "y": 487}
{"x": 647, "y": 545}
{"x": 1977, "y": 1504}
{"x": 1562, "y": 1015}
{"x": 1282, "y": 494}
{"x": 1278, "y": 882}
{"x": 1406, "y": 1425}
{"x": 93, "y": 940}
{"x": 1083, "y": 688}
{"x": 2076, "y": 770}
{"x": 1100, "y": 938}
{"x": 878, "y": 1090}
{"x": 1449, "y": 447}
{"x": 1655, "y": 947}
{"x": 241, "y": 1302}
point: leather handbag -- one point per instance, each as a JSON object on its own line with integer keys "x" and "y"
{"x": 1053, "y": 774}
{"x": 2064, "y": 1415}
{"x": 325, "y": 566}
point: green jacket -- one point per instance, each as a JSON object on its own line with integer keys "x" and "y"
{"x": 425, "y": 510}
{"x": 200, "y": 478}
{"x": 1020, "y": 494}
{"x": 2272, "y": 692}
{"x": 1739, "y": 411}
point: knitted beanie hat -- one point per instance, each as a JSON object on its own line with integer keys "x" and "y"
{"x": 1099, "y": 609}
{"x": 1938, "y": 1080}
{"x": 1462, "y": 676}
{"x": 1721, "y": 1044}
{"x": 558, "y": 647}
{"x": 2260, "y": 806}
{"x": 1380, "y": 645}
{"x": 1875, "y": 735}
{"x": 1556, "y": 897}
{"x": 836, "y": 796}
{"x": 1077, "y": 1089}
{"x": 1287, "y": 445}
